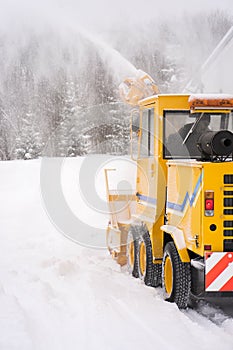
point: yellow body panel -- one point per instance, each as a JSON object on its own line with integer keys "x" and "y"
{"x": 170, "y": 193}
{"x": 152, "y": 171}
{"x": 183, "y": 182}
{"x": 184, "y": 202}
{"x": 187, "y": 183}
{"x": 214, "y": 180}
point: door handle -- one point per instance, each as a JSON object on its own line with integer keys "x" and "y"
{"x": 152, "y": 170}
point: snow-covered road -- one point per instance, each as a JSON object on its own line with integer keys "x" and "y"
{"x": 56, "y": 294}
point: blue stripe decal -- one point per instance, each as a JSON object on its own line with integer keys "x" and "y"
{"x": 180, "y": 207}
{"x": 146, "y": 199}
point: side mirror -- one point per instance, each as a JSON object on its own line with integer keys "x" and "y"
{"x": 135, "y": 128}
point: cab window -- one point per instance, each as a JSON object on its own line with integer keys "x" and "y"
{"x": 147, "y": 134}
{"x": 182, "y": 131}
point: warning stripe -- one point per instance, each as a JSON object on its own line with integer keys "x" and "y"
{"x": 221, "y": 280}
{"x": 213, "y": 259}
{"x": 227, "y": 286}
{"x": 217, "y": 269}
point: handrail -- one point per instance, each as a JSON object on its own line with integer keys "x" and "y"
{"x": 114, "y": 196}
{"x": 111, "y": 204}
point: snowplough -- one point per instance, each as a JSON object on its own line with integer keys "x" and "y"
{"x": 176, "y": 229}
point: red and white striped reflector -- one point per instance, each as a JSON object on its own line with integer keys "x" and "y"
{"x": 219, "y": 272}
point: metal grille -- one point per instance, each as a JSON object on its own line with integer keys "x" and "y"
{"x": 228, "y": 212}
{"x": 228, "y": 198}
{"x": 228, "y": 245}
{"x": 228, "y": 223}
{"x": 228, "y": 193}
{"x": 228, "y": 233}
{"x": 228, "y": 179}
{"x": 228, "y": 202}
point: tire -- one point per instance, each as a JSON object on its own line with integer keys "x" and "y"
{"x": 150, "y": 273}
{"x": 176, "y": 277}
{"x": 132, "y": 253}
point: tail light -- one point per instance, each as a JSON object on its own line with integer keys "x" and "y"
{"x": 209, "y": 203}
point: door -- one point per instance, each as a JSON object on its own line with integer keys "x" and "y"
{"x": 146, "y": 173}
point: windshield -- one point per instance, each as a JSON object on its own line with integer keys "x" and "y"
{"x": 183, "y": 129}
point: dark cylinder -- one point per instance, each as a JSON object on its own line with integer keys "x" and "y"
{"x": 217, "y": 143}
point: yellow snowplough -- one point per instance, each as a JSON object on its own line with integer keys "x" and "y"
{"x": 176, "y": 229}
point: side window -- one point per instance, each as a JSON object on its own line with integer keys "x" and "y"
{"x": 174, "y": 121}
{"x": 147, "y": 134}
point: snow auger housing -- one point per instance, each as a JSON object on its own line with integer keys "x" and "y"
{"x": 134, "y": 89}
{"x": 177, "y": 229}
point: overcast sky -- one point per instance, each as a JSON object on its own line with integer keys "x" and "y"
{"x": 140, "y": 7}
{"x": 106, "y": 11}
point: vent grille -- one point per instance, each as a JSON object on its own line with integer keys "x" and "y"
{"x": 228, "y": 179}
{"x": 228, "y": 223}
{"x": 228, "y": 233}
{"x": 228, "y": 202}
{"x": 228, "y": 210}
{"x": 228, "y": 245}
{"x": 228, "y": 193}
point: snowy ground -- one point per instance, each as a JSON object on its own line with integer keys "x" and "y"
{"x": 57, "y": 294}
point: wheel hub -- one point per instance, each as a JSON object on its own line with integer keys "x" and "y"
{"x": 131, "y": 254}
{"x": 168, "y": 275}
{"x": 142, "y": 258}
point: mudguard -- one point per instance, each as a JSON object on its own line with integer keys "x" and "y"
{"x": 178, "y": 238}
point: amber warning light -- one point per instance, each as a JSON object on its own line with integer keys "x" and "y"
{"x": 209, "y": 203}
{"x": 210, "y": 101}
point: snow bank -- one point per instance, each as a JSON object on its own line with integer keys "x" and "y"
{"x": 56, "y": 294}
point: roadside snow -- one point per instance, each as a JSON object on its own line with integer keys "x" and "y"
{"x": 56, "y": 294}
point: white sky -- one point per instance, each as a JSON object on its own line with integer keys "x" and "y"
{"x": 139, "y": 7}
{"x": 107, "y": 11}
